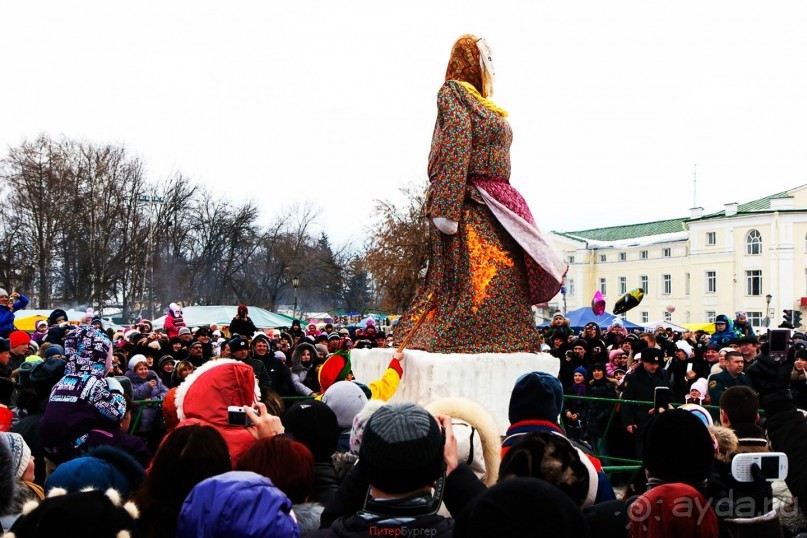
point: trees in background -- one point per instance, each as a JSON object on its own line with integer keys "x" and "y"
{"x": 82, "y": 225}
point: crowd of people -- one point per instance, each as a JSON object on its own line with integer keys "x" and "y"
{"x": 238, "y": 431}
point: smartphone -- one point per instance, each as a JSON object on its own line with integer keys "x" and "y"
{"x": 236, "y": 416}
{"x": 772, "y": 464}
{"x": 661, "y": 398}
{"x": 689, "y": 367}
{"x": 778, "y": 344}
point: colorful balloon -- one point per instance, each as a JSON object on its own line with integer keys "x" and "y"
{"x": 671, "y": 308}
{"x": 629, "y": 300}
{"x": 598, "y": 304}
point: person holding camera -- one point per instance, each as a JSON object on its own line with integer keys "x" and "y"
{"x": 640, "y": 385}
{"x": 8, "y": 305}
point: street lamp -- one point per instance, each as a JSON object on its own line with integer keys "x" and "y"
{"x": 767, "y": 321}
{"x": 295, "y": 282}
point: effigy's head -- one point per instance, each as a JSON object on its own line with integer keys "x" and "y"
{"x": 471, "y": 62}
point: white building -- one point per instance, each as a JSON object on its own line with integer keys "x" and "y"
{"x": 697, "y": 266}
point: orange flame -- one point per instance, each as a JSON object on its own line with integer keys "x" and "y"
{"x": 486, "y": 260}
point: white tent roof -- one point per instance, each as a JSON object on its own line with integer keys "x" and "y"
{"x": 652, "y": 325}
{"x": 196, "y": 316}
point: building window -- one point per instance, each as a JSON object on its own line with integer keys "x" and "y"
{"x": 686, "y": 284}
{"x": 571, "y": 260}
{"x": 643, "y": 255}
{"x": 711, "y": 281}
{"x": 753, "y": 243}
{"x": 710, "y": 316}
{"x": 602, "y": 257}
{"x": 753, "y": 282}
{"x": 754, "y": 318}
{"x": 666, "y": 253}
{"x": 623, "y": 285}
{"x": 711, "y": 238}
{"x": 645, "y": 317}
{"x": 643, "y": 283}
{"x": 667, "y": 316}
{"x": 602, "y": 286}
{"x": 623, "y": 256}
{"x": 666, "y": 284}
{"x": 571, "y": 287}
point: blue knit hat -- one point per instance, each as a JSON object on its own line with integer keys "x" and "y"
{"x": 105, "y": 467}
{"x": 582, "y": 371}
{"x": 536, "y": 396}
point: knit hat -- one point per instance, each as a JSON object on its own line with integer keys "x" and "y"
{"x": 54, "y": 349}
{"x": 103, "y": 468}
{"x": 536, "y": 395}
{"x": 46, "y": 374}
{"x": 174, "y": 308}
{"x": 700, "y": 412}
{"x": 346, "y": 399}
{"x": 335, "y": 368}
{"x": 722, "y": 318}
{"x": 40, "y": 323}
{"x": 521, "y": 507}
{"x": 678, "y": 448}
{"x": 702, "y": 386}
{"x": 19, "y": 450}
{"x": 597, "y": 366}
{"x": 3, "y": 293}
{"x": 184, "y": 330}
{"x": 165, "y": 359}
{"x": 334, "y": 336}
{"x": 24, "y": 371}
{"x": 134, "y": 360}
{"x": 18, "y": 338}
{"x": 89, "y": 514}
{"x": 237, "y": 504}
{"x": 402, "y": 449}
{"x": 360, "y": 423}
{"x": 582, "y": 371}
{"x": 684, "y": 345}
{"x": 243, "y": 308}
{"x": 5, "y": 345}
{"x": 314, "y": 424}
{"x": 614, "y": 353}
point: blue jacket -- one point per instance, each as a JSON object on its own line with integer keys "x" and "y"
{"x": 237, "y": 504}
{"x": 7, "y": 316}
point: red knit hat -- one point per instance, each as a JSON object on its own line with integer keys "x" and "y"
{"x": 18, "y": 338}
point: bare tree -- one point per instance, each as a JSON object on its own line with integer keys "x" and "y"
{"x": 398, "y": 250}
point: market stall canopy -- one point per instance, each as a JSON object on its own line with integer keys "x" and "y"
{"x": 204, "y": 316}
{"x": 25, "y": 319}
{"x": 580, "y": 317}
{"x": 652, "y": 325}
{"x": 706, "y": 327}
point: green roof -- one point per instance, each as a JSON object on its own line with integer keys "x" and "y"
{"x": 629, "y": 231}
{"x": 645, "y": 229}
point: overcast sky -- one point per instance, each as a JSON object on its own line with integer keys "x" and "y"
{"x": 611, "y": 103}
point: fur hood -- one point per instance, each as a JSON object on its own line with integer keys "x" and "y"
{"x": 220, "y": 370}
{"x": 727, "y": 442}
{"x": 296, "y": 363}
{"x": 308, "y": 516}
{"x": 482, "y": 421}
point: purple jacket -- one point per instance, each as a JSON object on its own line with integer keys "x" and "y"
{"x": 142, "y": 390}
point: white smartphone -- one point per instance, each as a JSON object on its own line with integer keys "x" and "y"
{"x": 689, "y": 367}
{"x": 772, "y": 464}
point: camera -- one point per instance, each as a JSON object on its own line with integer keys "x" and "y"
{"x": 236, "y": 416}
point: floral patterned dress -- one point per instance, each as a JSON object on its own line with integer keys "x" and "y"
{"x": 482, "y": 281}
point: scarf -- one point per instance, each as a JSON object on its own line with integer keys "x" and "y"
{"x": 484, "y": 101}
